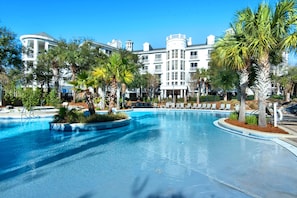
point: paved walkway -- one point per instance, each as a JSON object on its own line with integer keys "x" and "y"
{"x": 289, "y": 123}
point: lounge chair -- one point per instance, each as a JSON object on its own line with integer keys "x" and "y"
{"x": 189, "y": 106}
{"x": 222, "y": 107}
{"x": 177, "y": 105}
{"x": 213, "y": 106}
{"x": 173, "y": 105}
{"x": 182, "y": 105}
{"x": 228, "y": 107}
{"x": 167, "y": 105}
{"x": 203, "y": 106}
{"x": 208, "y": 106}
{"x": 199, "y": 106}
{"x": 194, "y": 106}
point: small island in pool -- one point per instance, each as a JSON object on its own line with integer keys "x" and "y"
{"x": 74, "y": 120}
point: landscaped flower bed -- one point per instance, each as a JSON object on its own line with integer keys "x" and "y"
{"x": 73, "y": 120}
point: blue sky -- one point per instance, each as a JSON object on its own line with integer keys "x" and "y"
{"x": 140, "y": 21}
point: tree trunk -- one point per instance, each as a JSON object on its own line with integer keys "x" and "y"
{"x": 244, "y": 77}
{"x": 288, "y": 96}
{"x": 263, "y": 83}
{"x": 73, "y": 70}
{"x": 225, "y": 98}
{"x": 198, "y": 95}
{"x": 112, "y": 95}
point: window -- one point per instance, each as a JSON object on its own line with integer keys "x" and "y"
{"x": 168, "y": 54}
{"x": 175, "y": 75}
{"x": 193, "y": 55}
{"x": 182, "y": 65}
{"x": 168, "y": 65}
{"x": 174, "y": 65}
{"x": 174, "y": 53}
{"x": 158, "y": 67}
{"x": 144, "y": 58}
{"x": 194, "y": 65}
{"x": 167, "y": 75}
{"x": 182, "y": 54}
{"x": 209, "y": 53}
{"x": 30, "y": 49}
{"x": 144, "y": 68}
{"x": 158, "y": 56}
{"x": 182, "y": 76}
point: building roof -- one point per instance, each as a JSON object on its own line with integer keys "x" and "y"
{"x": 44, "y": 34}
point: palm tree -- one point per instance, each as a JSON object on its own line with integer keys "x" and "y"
{"x": 224, "y": 78}
{"x": 268, "y": 30}
{"x": 232, "y": 51}
{"x": 116, "y": 71}
{"x": 200, "y": 77}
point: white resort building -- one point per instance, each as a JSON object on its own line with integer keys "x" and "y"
{"x": 175, "y": 63}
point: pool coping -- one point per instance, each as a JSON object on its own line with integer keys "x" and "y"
{"x": 78, "y": 127}
{"x": 281, "y": 139}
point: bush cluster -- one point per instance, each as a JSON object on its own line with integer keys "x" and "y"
{"x": 233, "y": 116}
{"x": 75, "y": 116}
{"x": 251, "y": 120}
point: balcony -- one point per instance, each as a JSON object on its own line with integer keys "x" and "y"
{"x": 158, "y": 60}
{"x": 193, "y": 69}
{"x": 194, "y": 57}
{"x": 158, "y": 70}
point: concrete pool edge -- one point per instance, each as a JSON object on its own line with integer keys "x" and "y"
{"x": 281, "y": 139}
{"x": 67, "y": 127}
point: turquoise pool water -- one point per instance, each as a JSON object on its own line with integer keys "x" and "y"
{"x": 162, "y": 153}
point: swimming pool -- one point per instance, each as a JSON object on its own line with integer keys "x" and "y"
{"x": 162, "y": 153}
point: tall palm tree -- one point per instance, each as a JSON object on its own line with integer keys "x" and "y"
{"x": 268, "y": 31}
{"x": 232, "y": 51}
{"x": 200, "y": 77}
{"x": 116, "y": 71}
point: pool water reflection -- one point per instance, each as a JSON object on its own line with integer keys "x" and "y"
{"x": 160, "y": 154}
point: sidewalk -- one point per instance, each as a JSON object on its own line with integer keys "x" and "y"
{"x": 20, "y": 112}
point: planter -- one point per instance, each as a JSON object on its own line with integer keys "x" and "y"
{"x": 88, "y": 126}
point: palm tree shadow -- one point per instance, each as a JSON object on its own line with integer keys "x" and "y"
{"x": 139, "y": 186}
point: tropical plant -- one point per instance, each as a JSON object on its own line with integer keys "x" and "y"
{"x": 232, "y": 51}
{"x": 233, "y": 116}
{"x": 268, "y": 31}
{"x": 10, "y": 60}
{"x": 74, "y": 116}
{"x": 116, "y": 70}
{"x": 223, "y": 78}
{"x": 10, "y": 50}
{"x": 30, "y": 98}
{"x": 52, "y": 98}
{"x": 199, "y": 78}
{"x": 251, "y": 120}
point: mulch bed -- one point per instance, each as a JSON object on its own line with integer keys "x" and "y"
{"x": 269, "y": 128}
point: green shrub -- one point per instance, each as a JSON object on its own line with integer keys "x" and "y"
{"x": 233, "y": 116}
{"x": 251, "y": 120}
{"x": 52, "y": 98}
{"x": 30, "y": 97}
{"x": 74, "y": 116}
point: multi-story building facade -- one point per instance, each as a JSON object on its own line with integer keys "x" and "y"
{"x": 33, "y": 45}
{"x": 175, "y": 64}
